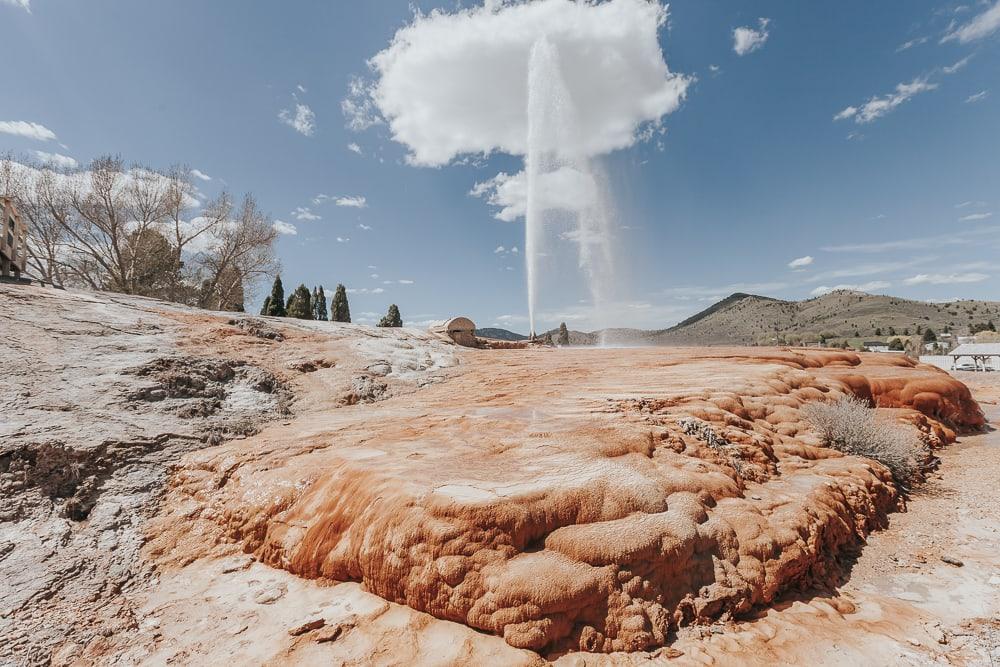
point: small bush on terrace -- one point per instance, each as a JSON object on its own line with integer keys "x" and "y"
{"x": 850, "y": 426}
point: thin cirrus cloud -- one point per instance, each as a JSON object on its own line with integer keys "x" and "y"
{"x": 200, "y": 175}
{"x": 880, "y": 105}
{"x": 350, "y": 201}
{"x": 977, "y": 97}
{"x": 800, "y": 262}
{"x": 917, "y": 41}
{"x": 27, "y": 129}
{"x": 451, "y": 84}
{"x": 945, "y": 278}
{"x": 959, "y": 238}
{"x": 747, "y": 40}
{"x": 972, "y": 217}
{"x": 23, "y": 4}
{"x": 981, "y": 26}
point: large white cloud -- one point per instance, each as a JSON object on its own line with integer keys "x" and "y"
{"x": 454, "y": 83}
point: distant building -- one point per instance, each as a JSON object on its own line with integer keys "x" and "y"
{"x": 876, "y": 346}
{"x": 976, "y": 356}
{"x": 13, "y": 241}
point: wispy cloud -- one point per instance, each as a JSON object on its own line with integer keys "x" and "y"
{"x": 964, "y": 237}
{"x": 916, "y": 41}
{"x": 300, "y": 118}
{"x": 800, "y": 262}
{"x": 304, "y": 213}
{"x": 980, "y": 26}
{"x": 200, "y": 175}
{"x": 57, "y": 160}
{"x": 23, "y": 4}
{"x": 26, "y": 129}
{"x": 285, "y": 228}
{"x": 972, "y": 217}
{"x": 364, "y": 227}
{"x": 870, "y": 269}
{"x": 977, "y": 97}
{"x": 354, "y": 148}
{"x": 876, "y": 107}
{"x": 966, "y": 204}
{"x": 689, "y": 292}
{"x": 747, "y": 40}
{"x": 351, "y": 201}
{"x": 359, "y": 106}
{"x": 343, "y": 239}
{"x": 946, "y": 278}
{"x": 951, "y": 69}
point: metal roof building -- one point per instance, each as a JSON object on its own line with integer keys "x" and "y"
{"x": 984, "y": 356}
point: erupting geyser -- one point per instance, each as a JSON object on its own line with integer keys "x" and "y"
{"x": 559, "y": 82}
{"x": 560, "y": 181}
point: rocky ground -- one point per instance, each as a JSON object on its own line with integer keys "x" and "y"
{"x": 183, "y": 487}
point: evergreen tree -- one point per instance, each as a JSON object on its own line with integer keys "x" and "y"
{"x": 878, "y": 331}
{"x": 991, "y": 326}
{"x": 300, "y": 304}
{"x": 929, "y": 335}
{"x": 266, "y": 307}
{"x": 319, "y": 303}
{"x": 563, "y": 338}
{"x": 340, "y": 310}
{"x": 896, "y": 345}
{"x": 276, "y": 302}
{"x": 392, "y": 318}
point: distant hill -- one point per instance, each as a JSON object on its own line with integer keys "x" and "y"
{"x": 748, "y": 319}
{"x": 499, "y": 334}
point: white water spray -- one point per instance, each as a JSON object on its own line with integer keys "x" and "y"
{"x": 564, "y": 187}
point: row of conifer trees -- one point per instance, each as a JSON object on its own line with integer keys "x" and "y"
{"x": 305, "y": 305}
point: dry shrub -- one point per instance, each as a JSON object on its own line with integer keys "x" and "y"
{"x": 851, "y": 426}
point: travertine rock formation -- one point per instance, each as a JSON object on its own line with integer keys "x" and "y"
{"x": 570, "y": 499}
{"x": 558, "y": 498}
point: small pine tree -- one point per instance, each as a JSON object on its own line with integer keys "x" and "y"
{"x": 892, "y": 331}
{"x": 392, "y": 318}
{"x": 276, "y": 302}
{"x": 896, "y": 345}
{"x": 300, "y": 304}
{"x": 264, "y": 310}
{"x": 340, "y": 311}
{"x": 319, "y": 303}
{"x": 929, "y": 335}
{"x": 563, "y": 338}
{"x": 878, "y": 331}
{"x": 991, "y": 326}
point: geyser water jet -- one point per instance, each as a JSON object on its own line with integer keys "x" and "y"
{"x": 565, "y": 189}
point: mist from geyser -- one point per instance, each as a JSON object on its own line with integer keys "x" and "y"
{"x": 568, "y": 200}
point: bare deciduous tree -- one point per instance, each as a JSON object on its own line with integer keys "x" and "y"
{"x": 134, "y": 230}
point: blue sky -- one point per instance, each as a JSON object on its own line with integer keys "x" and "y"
{"x": 900, "y": 195}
